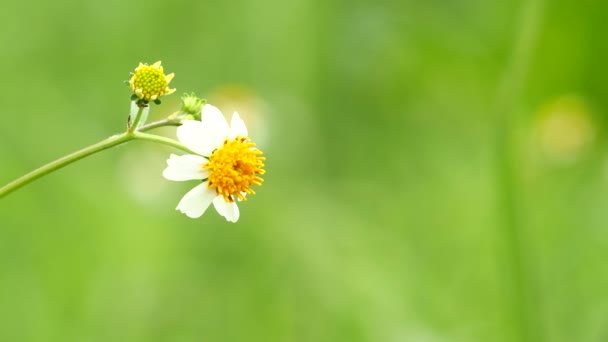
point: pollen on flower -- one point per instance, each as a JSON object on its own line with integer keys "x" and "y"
{"x": 234, "y": 167}
{"x": 149, "y": 82}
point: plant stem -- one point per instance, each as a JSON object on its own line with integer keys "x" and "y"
{"x": 159, "y": 123}
{"x": 110, "y": 142}
{"x": 135, "y": 122}
{"x": 162, "y": 140}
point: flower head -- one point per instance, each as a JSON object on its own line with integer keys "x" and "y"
{"x": 228, "y": 164}
{"x": 149, "y": 82}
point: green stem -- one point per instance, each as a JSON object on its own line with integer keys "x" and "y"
{"x": 110, "y": 142}
{"x": 162, "y": 140}
{"x": 135, "y": 122}
{"x": 159, "y": 123}
{"x": 63, "y": 161}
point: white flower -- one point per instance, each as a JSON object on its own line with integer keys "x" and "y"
{"x": 228, "y": 164}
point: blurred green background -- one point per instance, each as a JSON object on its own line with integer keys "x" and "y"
{"x": 392, "y": 209}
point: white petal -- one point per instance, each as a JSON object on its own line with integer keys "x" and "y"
{"x": 196, "y": 136}
{"x": 216, "y": 124}
{"x": 237, "y": 126}
{"x": 229, "y": 210}
{"x": 196, "y": 201}
{"x": 187, "y": 167}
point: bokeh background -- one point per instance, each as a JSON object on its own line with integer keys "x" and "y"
{"x": 437, "y": 171}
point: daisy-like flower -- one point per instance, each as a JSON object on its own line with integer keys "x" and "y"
{"x": 149, "y": 82}
{"x": 228, "y": 164}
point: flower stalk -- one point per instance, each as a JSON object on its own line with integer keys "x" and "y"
{"x": 105, "y": 144}
{"x": 133, "y": 125}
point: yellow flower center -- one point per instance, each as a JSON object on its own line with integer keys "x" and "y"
{"x": 149, "y": 82}
{"x": 234, "y": 167}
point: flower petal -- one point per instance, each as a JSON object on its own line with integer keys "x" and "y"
{"x": 227, "y": 209}
{"x": 187, "y": 167}
{"x": 237, "y": 126}
{"x": 196, "y": 201}
{"x": 196, "y": 136}
{"x": 217, "y": 127}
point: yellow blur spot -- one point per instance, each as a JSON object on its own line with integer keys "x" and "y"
{"x": 565, "y": 129}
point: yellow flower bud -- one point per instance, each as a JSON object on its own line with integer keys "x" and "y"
{"x": 149, "y": 82}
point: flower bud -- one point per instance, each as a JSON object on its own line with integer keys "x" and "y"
{"x": 192, "y": 105}
{"x": 149, "y": 83}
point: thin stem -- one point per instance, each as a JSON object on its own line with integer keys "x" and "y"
{"x": 112, "y": 141}
{"x": 135, "y": 122}
{"x": 63, "y": 161}
{"x": 157, "y": 124}
{"x": 162, "y": 140}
